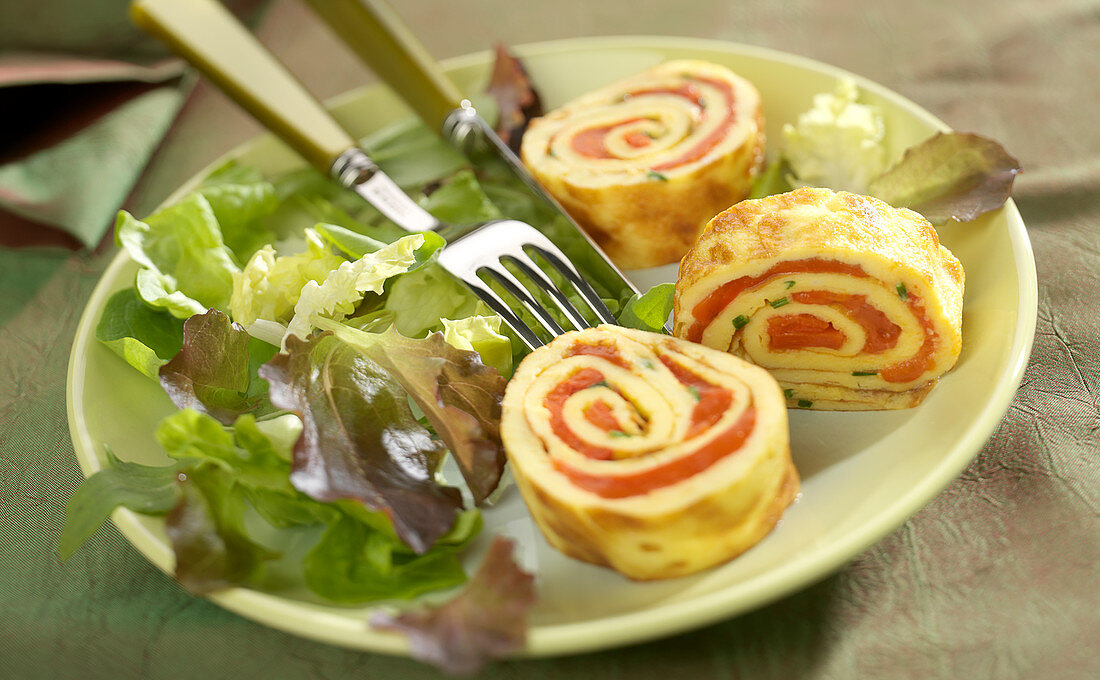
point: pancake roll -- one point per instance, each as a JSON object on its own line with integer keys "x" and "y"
{"x": 850, "y": 303}
{"x": 643, "y": 163}
{"x": 647, "y": 454}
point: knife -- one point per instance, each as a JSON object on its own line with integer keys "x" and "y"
{"x": 376, "y": 33}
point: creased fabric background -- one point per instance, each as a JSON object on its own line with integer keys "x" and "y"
{"x": 995, "y": 578}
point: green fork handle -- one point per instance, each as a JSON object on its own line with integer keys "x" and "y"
{"x": 377, "y": 34}
{"x": 205, "y": 34}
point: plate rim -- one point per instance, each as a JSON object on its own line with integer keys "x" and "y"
{"x": 655, "y": 621}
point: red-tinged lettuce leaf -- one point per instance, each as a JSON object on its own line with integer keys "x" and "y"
{"x": 212, "y": 372}
{"x": 360, "y": 440}
{"x": 458, "y": 394}
{"x": 487, "y": 620}
{"x": 950, "y": 176}
{"x": 517, "y": 100}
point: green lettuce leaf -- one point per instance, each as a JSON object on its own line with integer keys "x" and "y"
{"x": 352, "y": 563}
{"x": 241, "y": 198}
{"x": 186, "y": 268}
{"x": 142, "y": 335}
{"x": 412, "y": 155}
{"x": 141, "y": 488}
{"x": 649, "y": 311}
{"x": 419, "y": 299}
{"x": 952, "y": 175}
{"x": 458, "y": 394}
{"x": 460, "y": 200}
{"x": 487, "y": 620}
{"x": 360, "y": 441}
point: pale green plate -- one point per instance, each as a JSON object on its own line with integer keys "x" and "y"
{"x": 863, "y": 474}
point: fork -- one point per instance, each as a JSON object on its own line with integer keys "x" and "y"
{"x": 206, "y": 35}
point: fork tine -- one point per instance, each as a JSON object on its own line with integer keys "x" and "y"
{"x": 497, "y": 304}
{"x": 485, "y": 249}
{"x": 516, "y": 289}
{"x": 532, "y": 271}
{"x": 556, "y": 258}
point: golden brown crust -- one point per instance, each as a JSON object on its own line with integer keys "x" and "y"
{"x": 640, "y": 219}
{"x": 897, "y": 249}
{"x": 680, "y": 528}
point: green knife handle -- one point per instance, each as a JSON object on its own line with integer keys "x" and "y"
{"x": 377, "y": 34}
{"x": 205, "y": 34}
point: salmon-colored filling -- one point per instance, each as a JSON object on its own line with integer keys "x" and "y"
{"x": 600, "y": 415}
{"x": 592, "y": 142}
{"x": 582, "y": 379}
{"x": 710, "y": 306}
{"x": 713, "y": 402}
{"x": 914, "y": 366}
{"x": 881, "y": 333}
{"x": 672, "y": 472}
{"x": 602, "y": 351}
{"x": 800, "y": 331}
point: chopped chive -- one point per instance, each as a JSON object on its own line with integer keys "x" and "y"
{"x": 617, "y": 433}
{"x": 858, "y": 373}
{"x": 788, "y": 393}
{"x": 602, "y": 383}
{"x": 776, "y": 304}
{"x": 649, "y": 134}
{"x": 805, "y": 403}
{"x": 646, "y": 363}
{"x": 694, "y": 392}
{"x": 551, "y": 153}
{"x": 740, "y": 321}
{"x": 653, "y": 174}
{"x": 902, "y": 292}
{"x": 790, "y": 284}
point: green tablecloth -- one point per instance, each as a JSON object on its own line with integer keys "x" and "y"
{"x": 995, "y": 578}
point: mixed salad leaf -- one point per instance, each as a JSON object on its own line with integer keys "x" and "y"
{"x": 488, "y": 619}
{"x": 839, "y": 144}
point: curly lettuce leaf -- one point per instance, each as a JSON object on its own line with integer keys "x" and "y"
{"x": 950, "y": 176}
{"x": 361, "y": 441}
{"x": 343, "y": 287}
{"x": 837, "y": 143}
{"x": 214, "y": 371}
{"x": 185, "y": 267}
{"x": 487, "y": 620}
{"x": 145, "y": 337}
{"x": 481, "y": 334}
{"x": 458, "y": 394}
{"x": 269, "y": 285}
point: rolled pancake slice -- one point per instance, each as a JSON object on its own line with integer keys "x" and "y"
{"x": 850, "y": 303}
{"x": 647, "y": 454}
{"x": 643, "y": 163}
